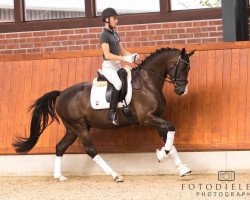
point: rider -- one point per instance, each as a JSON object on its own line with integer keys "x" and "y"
{"x": 113, "y": 54}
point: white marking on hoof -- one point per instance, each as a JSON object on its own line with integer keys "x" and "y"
{"x": 187, "y": 174}
{"x": 61, "y": 178}
{"x": 184, "y": 170}
{"x": 118, "y": 178}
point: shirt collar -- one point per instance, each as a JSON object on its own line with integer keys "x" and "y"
{"x": 109, "y": 30}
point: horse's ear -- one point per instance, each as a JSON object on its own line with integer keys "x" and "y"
{"x": 191, "y": 53}
{"x": 183, "y": 51}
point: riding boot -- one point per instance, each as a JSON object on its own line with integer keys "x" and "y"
{"x": 113, "y": 106}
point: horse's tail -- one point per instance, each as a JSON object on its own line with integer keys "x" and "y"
{"x": 43, "y": 109}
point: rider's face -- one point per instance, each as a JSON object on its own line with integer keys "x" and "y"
{"x": 113, "y": 21}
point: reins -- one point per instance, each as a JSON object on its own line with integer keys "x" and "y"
{"x": 173, "y": 81}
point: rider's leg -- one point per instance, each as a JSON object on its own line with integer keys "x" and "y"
{"x": 113, "y": 106}
{"x": 114, "y": 79}
{"x": 112, "y": 76}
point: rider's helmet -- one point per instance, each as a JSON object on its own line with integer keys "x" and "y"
{"x": 108, "y": 12}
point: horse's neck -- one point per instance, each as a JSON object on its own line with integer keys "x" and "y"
{"x": 156, "y": 64}
{"x": 154, "y": 72}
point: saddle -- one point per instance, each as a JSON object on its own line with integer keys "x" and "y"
{"x": 122, "y": 73}
{"x": 101, "y": 91}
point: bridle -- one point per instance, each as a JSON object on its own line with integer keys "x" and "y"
{"x": 171, "y": 80}
{"x": 174, "y": 80}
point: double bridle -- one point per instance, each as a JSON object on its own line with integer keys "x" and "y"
{"x": 171, "y": 80}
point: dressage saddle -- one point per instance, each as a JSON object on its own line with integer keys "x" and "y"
{"x": 122, "y": 73}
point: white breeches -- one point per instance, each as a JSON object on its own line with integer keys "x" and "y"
{"x": 109, "y": 70}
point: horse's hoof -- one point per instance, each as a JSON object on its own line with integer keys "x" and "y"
{"x": 62, "y": 178}
{"x": 119, "y": 179}
{"x": 187, "y": 174}
{"x": 184, "y": 170}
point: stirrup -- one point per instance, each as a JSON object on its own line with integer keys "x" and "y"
{"x": 114, "y": 118}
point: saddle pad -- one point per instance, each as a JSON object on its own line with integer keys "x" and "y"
{"x": 98, "y": 93}
{"x": 99, "y": 83}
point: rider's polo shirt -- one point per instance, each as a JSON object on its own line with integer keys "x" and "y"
{"x": 112, "y": 38}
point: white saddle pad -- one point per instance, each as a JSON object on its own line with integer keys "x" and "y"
{"x": 98, "y": 93}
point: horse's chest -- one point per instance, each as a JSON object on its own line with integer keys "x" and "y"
{"x": 152, "y": 103}
{"x": 161, "y": 107}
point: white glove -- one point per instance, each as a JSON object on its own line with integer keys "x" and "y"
{"x": 131, "y": 58}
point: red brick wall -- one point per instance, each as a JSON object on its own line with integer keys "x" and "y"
{"x": 202, "y": 31}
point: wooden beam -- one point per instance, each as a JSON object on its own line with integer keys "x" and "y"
{"x": 19, "y": 11}
{"x": 165, "y": 6}
{"x": 90, "y": 10}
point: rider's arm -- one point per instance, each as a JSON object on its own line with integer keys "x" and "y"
{"x": 123, "y": 51}
{"x": 108, "y": 55}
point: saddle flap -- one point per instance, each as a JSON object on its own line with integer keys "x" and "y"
{"x": 101, "y": 91}
{"x": 124, "y": 74}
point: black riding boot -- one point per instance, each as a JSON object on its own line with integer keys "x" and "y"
{"x": 113, "y": 106}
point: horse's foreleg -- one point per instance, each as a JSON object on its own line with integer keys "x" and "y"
{"x": 168, "y": 138}
{"x": 182, "y": 168}
{"x": 167, "y": 133}
{"x": 61, "y": 147}
{"x": 91, "y": 151}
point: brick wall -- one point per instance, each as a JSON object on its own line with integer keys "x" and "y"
{"x": 202, "y": 31}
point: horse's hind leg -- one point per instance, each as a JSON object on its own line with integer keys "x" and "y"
{"x": 84, "y": 136}
{"x": 61, "y": 147}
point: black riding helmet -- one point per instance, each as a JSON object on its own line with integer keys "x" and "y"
{"x": 108, "y": 12}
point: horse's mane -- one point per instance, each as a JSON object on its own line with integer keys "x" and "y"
{"x": 158, "y": 51}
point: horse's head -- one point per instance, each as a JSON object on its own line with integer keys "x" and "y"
{"x": 177, "y": 71}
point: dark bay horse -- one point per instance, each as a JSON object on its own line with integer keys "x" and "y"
{"x": 148, "y": 105}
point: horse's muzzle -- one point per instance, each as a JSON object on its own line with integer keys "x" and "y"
{"x": 180, "y": 90}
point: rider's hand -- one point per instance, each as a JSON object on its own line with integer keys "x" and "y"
{"x": 129, "y": 58}
{"x": 136, "y": 56}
